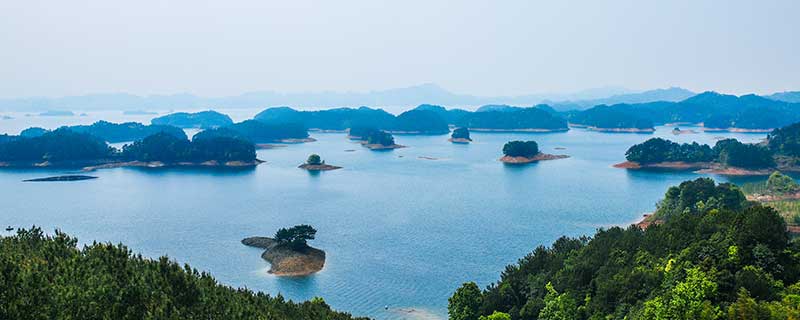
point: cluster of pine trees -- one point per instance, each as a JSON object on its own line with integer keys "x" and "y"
{"x": 49, "y": 277}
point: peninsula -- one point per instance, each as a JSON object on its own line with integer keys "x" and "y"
{"x": 288, "y": 251}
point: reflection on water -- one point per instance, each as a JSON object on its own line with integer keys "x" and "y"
{"x": 399, "y": 230}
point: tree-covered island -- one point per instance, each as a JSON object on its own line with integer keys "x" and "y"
{"x": 728, "y": 156}
{"x": 520, "y": 152}
{"x": 203, "y": 119}
{"x": 288, "y": 251}
{"x": 66, "y": 148}
{"x": 315, "y": 163}
{"x": 460, "y": 135}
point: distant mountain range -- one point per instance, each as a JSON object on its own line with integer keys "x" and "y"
{"x": 408, "y": 96}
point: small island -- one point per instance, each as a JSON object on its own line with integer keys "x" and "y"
{"x": 315, "y": 163}
{"x": 677, "y": 131}
{"x": 521, "y": 152}
{"x": 460, "y": 135}
{"x": 380, "y": 140}
{"x": 57, "y": 113}
{"x": 288, "y": 251}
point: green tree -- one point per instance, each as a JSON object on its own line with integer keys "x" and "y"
{"x": 314, "y": 160}
{"x": 465, "y": 302}
{"x": 558, "y": 306}
{"x": 461, "y": 133}
{"x": 689, "y": 299}
{"x": 496, "y": 316}
{"x": 297, "y": 236}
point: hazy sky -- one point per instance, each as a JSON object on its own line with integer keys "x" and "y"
{"x": 54, "y": 48}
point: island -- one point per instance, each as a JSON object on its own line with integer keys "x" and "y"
{"x": 521, "y": 152}
{"x": 259, "y": 132}
{"x": 72, "y": 177}
{"x": 460, "y": 135}
{"x": 126, "y": 132}
{"x": 514, "y": 119}
{"x": 727, "y": 157}
{"x": 315, "y": 163}
{"x": 288, "y": 251}
{"x": 711, "y": 110}
{"x": 380, "y": 140}
{"x": 419, "y": 122}
{"x": 611, "y": 119}
{"x": 331, "y": 120}
{"x": 203, "y": 120}
{"x": 66, "y": 148}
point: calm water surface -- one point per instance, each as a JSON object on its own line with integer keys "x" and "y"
{"x": 399, "y": 230}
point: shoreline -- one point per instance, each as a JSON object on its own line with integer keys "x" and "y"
{"x": 460, "y": 140}
{"x": 539, "y": 157}
{"x": 287, "y": 262}
{"x": 518, "y": 130}
{"x": 318, "y": 167}
{"x": 159, "y": 164}
{"x": 697, "y": 167}
{"x": 376, "y": 146}
{"x": 623, "y": 130}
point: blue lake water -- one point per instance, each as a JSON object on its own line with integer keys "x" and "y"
{"x": 399, "y": 230}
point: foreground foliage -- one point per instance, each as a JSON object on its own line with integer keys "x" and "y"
{"x": 715, "y": 256}
{"x": 49, "y": 277}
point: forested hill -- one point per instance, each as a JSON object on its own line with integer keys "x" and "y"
{"x": 49, "y": 277}
{"x": 715, "y": 256}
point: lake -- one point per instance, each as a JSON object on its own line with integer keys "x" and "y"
{"x": 400, "y": 231}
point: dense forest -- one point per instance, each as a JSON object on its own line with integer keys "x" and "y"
{"x": 61, "y": 145}
{"x": 607, "y": 117}
{"x": 525, "y": 149}
{"x": 713, "y": 110}
{"x": 204, "y": 119}
{"x": 124, "y": 132}
{"x": 785, "y": 141}
{"x": 515, "y": 119}
{"x": 714, "y": 256}
{"x": 729, "y": 152}
{"x": 257, "y": 131}
{"x": 461, "y": 133}
{"x": 380, "y": 137}
{"x": 65, "y": 147}
{"x": 427, "y": 119}
{"x": 169, "y": 149}
{"x": 331, "y": 119}
{"x": 49, "y": 277}
{"x": 420, "y": 121}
